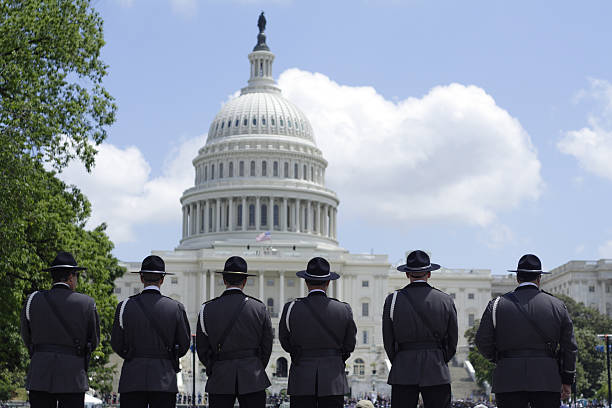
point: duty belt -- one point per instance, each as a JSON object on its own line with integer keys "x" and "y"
{"x": 322, "y": 352}
{"x": 153, "y": 354}
{"x": 418, "y": 345}
{"x": 56, "y": 348}
{"x": 235, "y": 355}
{"x": 523, "y": 353}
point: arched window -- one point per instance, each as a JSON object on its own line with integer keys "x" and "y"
{"x": 275, "y": 169}
{"x": 264, "y": 215}
{"x": 245, "y": 122}
{"x": 263, "y": 121}
{"x": 359, "y": 367}
{"x": 281, "y": 367}
{"x": 272, "y": 121}
{"x": 220, "y": 170}
{"x": 205, "y": 173}
{"x": 286, "y": 170}
{"x": 312, "y": 174}
{"x": 239, "y": 220}
{"x": 229, "y": 123}
{"x": 231, "y": 169}
{"x": 252, "y": 168}
{"x": 241, "y": 169}
{"x": 254, "y": 121}
{"x": 212, "y": 171}
{"x": 276, "y": 217}
{"x": 295, "y": 171}
{"x": 264, "y": 168}
{"x": 251, "y": 215}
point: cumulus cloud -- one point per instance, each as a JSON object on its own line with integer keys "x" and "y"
{"x": 451, "y": 155}
{"x": 124, "y": 194}
{"x": 592, "y": 145}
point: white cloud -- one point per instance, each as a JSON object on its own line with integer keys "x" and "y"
{"x": 123, "y": 193}
{"x": 592, "y": 145}
{"x": 452, "y": 155}
{"x": 605, "y": 250}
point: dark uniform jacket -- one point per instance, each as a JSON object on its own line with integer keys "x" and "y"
{"x": 133, "y": 338}
{"x": 514, "y": 334}
{"x": 58, "y": 372}
{"x": 424, "y": 361}
{"x": 246, "y": 349}
{"x": 316, "y": 372}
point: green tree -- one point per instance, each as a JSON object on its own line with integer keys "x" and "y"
{"x": 483, "y": 367}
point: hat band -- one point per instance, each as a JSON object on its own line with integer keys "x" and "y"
{"x": 529, "y": 270}
{"x": 64, "y": 266}
{"x": 318, "y": 276}
{"x": 420, "y": 268}
{"x": 149, "y": 271}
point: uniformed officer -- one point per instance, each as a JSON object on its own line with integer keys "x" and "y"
{"x": 150, "y": 332}
{"x": 319, "y": 333}
{"x": 420, "y": 337}
{"x": 60, "y": 328}
{"x": 234, "y": 342}
{"x": 530, "y": 335}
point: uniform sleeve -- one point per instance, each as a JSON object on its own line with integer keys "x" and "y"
{"x": 203, "y": 346}
{"x": 387, "y": 329}
{"x": 182, "y": 333}
{"x": 569, "y": 348}
{"x": 26, "y": 334}
{"x": 94, "y": 327}
{"x": 265, "y": 346}
{"x": 350, "y": 334}
{"x": 283, "y": 332}
{"x": 452, "y": 331}
{"x": 117, "y": 334}
{"x": 485, "y": 336}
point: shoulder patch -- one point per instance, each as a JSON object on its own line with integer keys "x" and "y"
{"x": 254, "y": 298}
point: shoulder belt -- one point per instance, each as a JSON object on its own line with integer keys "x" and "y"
{"x": 534, "y": 325}
{"x": 62, "y": 321}
{"x": 287, "y": 316}
{"x": 425, "y": 322}
{"x": 322, "y": 323}
{"x": 231, "y": 324}
{"x": 152, "y": 322}
{"x": 254, "y": 298}
{"x": 28, "y": 304}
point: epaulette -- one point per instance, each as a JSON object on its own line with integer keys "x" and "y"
{"x": 548, "y": 293}
{"x": 137, "y": 294}
{"x": 254, "y": 298}
{"x": 208, "y": 301}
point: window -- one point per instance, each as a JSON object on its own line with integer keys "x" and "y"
{"x": 365, "y": 309}
{"x": 252, "y": 169}
{"x": 471, "y": 319}
{"x": 231, "y": 169}
{"x": 239, "y": 221}
{"x": 591, "y": 288}
{"x": 264, "y": 215}
{"x": 205, "y": 173}
{"x": 270, "y": 282}
{"x": 281, "y": 122}
{"x": 264, "y": 168}
{"x": 290, "y": 282}
{"x": 295, "y": 170}
{"x": 221, "y": 170}
{"x": 365, "y": 284}
{"x": 217, "y": 127}
{"x": 244, "y": 122}
{"x": 276, "y": 216}
{"x": 608, "y": 288}
{"x": 212, "y": 171}
{"x": 311, "y": 173}
{"x": 270, "y": 304}
{"x": 305, "y": 173}
{"x": 365, "y": 337}
{"x": 251, "y": 215}
{"x": 241, "y": 169}
{"x": 275, "y": 169}
{"x": 470, "y": 296}
{"x": 289, "y": 123}
{"x": 254, "y": 121}
{"x": 452, "y": 295}
{"x": 359, "y": 367}
{"x": 222, "y": 124}
{"x": 117, "y": 290}
{"x": 272, "y": 122}
{"x": 237, "y": 122}
{"x": 286, "y": 170}
{"x": 263, "y": 121}
{"x": 174, "y": 281}
{"x": 229, "y": 124}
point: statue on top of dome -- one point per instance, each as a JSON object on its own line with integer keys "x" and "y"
{"x": 261, "y": 22}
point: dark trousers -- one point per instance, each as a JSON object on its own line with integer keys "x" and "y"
{"x": 312, "y": 401}
{"x": 407, "y": 396}
{"x": 252, "y": 400}
{"x": 152, "y": 399}
{"x": 42, "y": 399}
{"x": 540, "y": 399}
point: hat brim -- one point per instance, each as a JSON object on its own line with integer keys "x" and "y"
{"x": 528, "y": 271}
{"x": 66, "y": 267}
{"x": 431, "y": 267}
{"x": 158, "y": 272}
{"x": 236, "y": 273}
{"x": 306, "y": 275}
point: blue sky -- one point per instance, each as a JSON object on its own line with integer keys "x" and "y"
{"x": 510, "y": 99}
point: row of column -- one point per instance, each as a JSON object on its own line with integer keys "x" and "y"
{"x": 246, "y": 213}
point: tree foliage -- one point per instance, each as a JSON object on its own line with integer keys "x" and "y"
{"x": 483, "y": 367}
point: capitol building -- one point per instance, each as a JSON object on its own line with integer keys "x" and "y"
{"x": 259, "y": 192}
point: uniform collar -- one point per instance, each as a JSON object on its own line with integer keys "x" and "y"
{"x": 151, "y": 289}
{"x": 232, "y": 291}
{"x": 418, "y": 284}
{"x": 527, "y": 285}
{"x": 60, "y": 285}
{"x": 317, "y": 292}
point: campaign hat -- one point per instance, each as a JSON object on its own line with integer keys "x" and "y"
{"x": 318, "y": 270}
{"x": 418, "y": 262}
{"x": 529, "y": 263}
{"x": 64, "y": 261}
{"x": 235, "y": 265}
{"x": 153, "y": 264}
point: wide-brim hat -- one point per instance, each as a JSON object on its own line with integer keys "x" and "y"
{"x": 153, "y": 264}
{"x": 235, "y": 265}
{"x": 64, "y": 261}
{"x": 318, "y": 270}
{"x": 529, "y": 263}
{"x": 418, "y": 262}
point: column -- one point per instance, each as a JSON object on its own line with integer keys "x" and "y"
{"x": 244, "y": 214}
{"x": 230, "y": 223}
{"x": 281, "y": 301}
{"x": 184, "y": 222}
{"x": 297, "y": 215}
{"x": 204, "y": 294}
{"x": 271, "y": 214}
{"x": 191, "y": 219}
{"x": 307, "y": 225}
{"x": 257, "y": 213}
{"x": 318, "y": 218}
{"x": 211, "y": 286}
{"x": 302, "y": 286}
{"x": 283, "y": 214}
{"x": 339, "y": 289}
{"x": 325, "y": 225}
{"x": 206, "y": 221}
{"x": 335, "y": 212}
{"x": 199, "y": 218}
{"x": 218, "y": 215}
{"x": 261, "y": 286}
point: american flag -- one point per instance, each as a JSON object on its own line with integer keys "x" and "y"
{"x": 264, "y": 236}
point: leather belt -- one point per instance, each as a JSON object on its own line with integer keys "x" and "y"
{"x": 523, "y": 353}
{"x": 418, "y": 345}
{"x": 153, "y": 355}
{"x": 56, "y": 348}
{"x": 235, "y": 355}
{"x": 320, "y": 352}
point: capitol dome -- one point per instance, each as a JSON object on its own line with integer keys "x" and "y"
{"x": 260, "y": 173}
